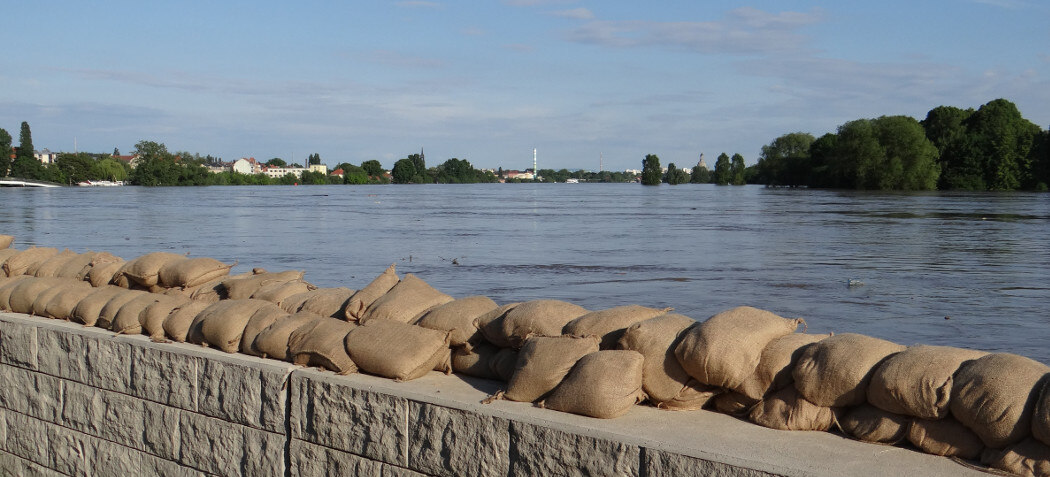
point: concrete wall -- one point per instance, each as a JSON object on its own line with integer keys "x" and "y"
{"x": 76, "y": 401}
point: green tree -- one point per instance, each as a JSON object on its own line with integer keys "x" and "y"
{"x": 675, "y": 175}
{"x": 699, "y": 175}
{"x": 786, "y": 160}
{"x": 314, "y": 159}
{"x": 25, "y": 142}
{"x": 276, "y": 162}
{"x": 1004, "y": 140}
{"x": 404, "y": 172}
{"x": 354, "y": 174}
{"x": 78, "y": 167}
{"x": 420, "y": 166}
{"x": 27, "y": 168}
{"x": 373, "y": 168}
{"x": 738, "y": 170}
{"x": 111, "y": 170}
{"x": 910, "y": 158}
{"x": 723, "y": 170}
{"x": 651, "y": 170}
{"x": 116, "y": 152}
{"x": 6, "y": 152}
{"x": 945, "y": 127}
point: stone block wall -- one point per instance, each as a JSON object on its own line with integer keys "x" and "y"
{"x": 78, "y": 401}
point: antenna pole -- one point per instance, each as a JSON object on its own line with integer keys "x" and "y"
{"x": 535, "y": 171}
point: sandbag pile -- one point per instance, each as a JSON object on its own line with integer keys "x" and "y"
{"x": 746, "y": 362}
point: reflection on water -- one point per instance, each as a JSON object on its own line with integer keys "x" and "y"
{"x": 979, "y": 259}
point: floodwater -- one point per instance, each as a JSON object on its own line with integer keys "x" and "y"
{"x": 914, "y": 259}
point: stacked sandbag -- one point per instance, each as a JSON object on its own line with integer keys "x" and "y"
{"x": 62, "y": 286}
{"x": 918, "y": 381}
{"x": 536, "y": 317}
{"x": 109, "y": 311}
{"x": 485, "y": 360}
{"x": 144, "y": 271}
{"x": 726, "y": 349}
{"x": 733, "y": 404}
{"x": 328, "y": 302}
{"x": 191, "y": 272}
{"x": 222, "y": 324}
{"x": 262, "y": 319}
{"x": 6, "y": 241}
{"x": 178, "y": 323}
{"x": 128, "y": 318}
{"x": 871, "y": 424}
{"x": 602, "y": 384}
{"x": 19, "y": 263}
{"x": 75, "y": 266}
{"x": 61, "y": 306}
{"x": 88, "y": 308}
{"x": 945, "y": 437}
{"x": 787, "y": 410}
{"x": 360, "y": 301}
{"x": 272, "y": 342}
{"x": 610, "y": 324}
{"x": 664, "y": 380}
{"x": 320, "y": 343}
{"x": 102, "y": 270}
{"x": 995, "y": 396}
{"x": 6, "y": 253}
{"x": 7, "y": 285}
{"x": 775, "y": 366}
{"x": 48, "y": 268}
{"x": 543, "y": 363}
{"x": 837, "y": 370}
{"x": 459, "y": 319}
{"x": 243, "y": 287}
{"x": 395, "y": 350}
{"x": 24, "y": 293}
{"x": 1028, "y": 458}
{"x": 278, "y": 292}
{"x": 153, "y": 317}
{"x": 405, "y": 302}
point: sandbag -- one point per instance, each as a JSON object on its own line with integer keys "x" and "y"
{"x": 543, "y": 362}
{"x": 871, "y": 424}
{"x": 995, "y": 396}
{"x": 663, "y": 378}
{"x": 222, "y": 324}
{"x": 109, "y": 311}
{"x": 733, "y": 404}
{"x": 491, "y": 323}
{"x": 48, "y": 268}
{"x": 272, "y": 342}
{"x": 476, "y": 361}
{"x": 504, "y": 362}
{"x": 539, "y": 317}
{"x": 787, "y": 410}
{"x": 103, "y": 273}
{"x": 320, "y": 343}
{"x": 66, "y": 286}
{"x": 7, "y": 286}
{"x": 359, "y": 303}
{"x": 610, "y": 324}
{"x": 191, "y": 272}
{"x": 209, "y": 292}
{"x": 1041, "y": 414}
{"x": 836, "y": 371}
{"x": 1028, "y": 458}
{"x": 726, "y": 349}
{"x": 153, "y": 317}
{"x": 775, "y": 365}
{"x": 918, "y": 381}
{"x": 399, "y": 351}
{"x": 603, "y": 384}
{"x": 178, "y": 323}
{"x": 62, "y": 305}
{"x": 242, "y": 288}
{"x": 25, "y": 292}
{"x": 6, "y": 253}
{"x": 6, "y": 241}
{"x": 945, "y": 437}
{"x": 89, "y": 307}
{"x": 263, "y": 318}
{"x": 277, "y": 292}
{"x": 20, "y": 262}
{"x": 328, "y": 302}
{"x": 73, "y": 267}
{"x": 145, "y": 269}
{"x": 458, "y": 318}
{"x": 405, "y": 302}
{"x": 128, "y": 318}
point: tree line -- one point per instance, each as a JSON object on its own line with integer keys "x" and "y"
{"x": 728, "y": 171}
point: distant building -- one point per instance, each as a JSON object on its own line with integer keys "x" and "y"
{"x": 702, "y": 164}
{"x": 45, "y": 156}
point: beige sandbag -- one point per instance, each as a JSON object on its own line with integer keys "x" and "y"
{"x": 66, "y": 286}
{"x": 25, "y": 292}
{"x": 242, "y": 288}
{"x": 603, "y": 384}
{"x": 278, "y": 292}
{"x": 1041, "y": 414}
{"x": 6, "y": 241}
{"x": 491, "y": 323}
{"x": 476, "y": 361}
{"x": 726, "y": 349}
{"x": 153, "y": 317}
{"x": 72, "y": 267}
{"x": 293, "y": 303}
{"x": 320, "y": 343}
{"x": 97, "y": 259}
{"x": 177, "y": 325}
{"x": 1028, "y": 458}
{"x": 191, "y": 272}
{"x": 20, "y": 262}
{"x": 918, "y": 381}
{"x": 946, "y": 437}
{"x": 89, "y": 307}
{"x": 543, "y": 362}
{"x": 458, "y": 318}
{"x": 995, "y": 396}
{"x": 6, "y": 253}
{"x": 327, "y": 302}
{"x": 145, "y": 269}
{"x": 62, "y": 305}
{"x": 405, "y": 302}
{"x": 108, "y": 313}
{"x": 663, "y": 378}
{"x": 7, "y": 286}
{"x": 733, "y": 404}
{"x": 836, "y": 371}
{"x": 359, "y": 303}
{"x": 871, "y": 424}
{"x": 210, "y": 292}
{"x": 222, "y": 324}
{"x": 776, "y": 364}
{"x": 399, "y": 351}
{"x": 128, "y": 318}
{"x": 610, "y": 324}
{"x": 48, "y": 268}
{"x": 262, "y": 319}
{"x": 539, "y": 317}
{"x": 504, "y": 362}
{"x": 272, "y": 342}
{"x": 787, "y": 410}
{"x": 103, "y": 273}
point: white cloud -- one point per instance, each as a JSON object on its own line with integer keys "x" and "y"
{"x": 576, "y": 14}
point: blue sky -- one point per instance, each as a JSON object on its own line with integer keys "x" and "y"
{"x": 490, "y": 81}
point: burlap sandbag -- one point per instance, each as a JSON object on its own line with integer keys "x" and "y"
{"x": 108, "y": 313}
{"x": 89, "y": 307}
{"x": 918, "y": 381}
{"x": 543, "y": 362}
{"x": 946, "y": 437}
{"x": 836, "y": 371}
{"x": 726, "y": 349}
{"x": 406, "y": 302}
{"x": 776, "y": 364}
{"x": 278, "y": 292}
{"x": 603, "y": 384}
{"x": 128, "y": 319}
{"x": 209, "y": 292}
{"x": 178, "y": 323}
{"x": 145, "y": 270}
{"x": 20, "y": 262}
{"x": 103, "y": 273}
{"x": 871, "y": 424}
{"x": 7, "y": 285}
{"x": 62, "y": 305}
{"x": 490, "y": 325}
{"x": 787, "y": 410}
{"x": 6, "y": 241}
{"x": 327, "y": 302}
{"x": 272, "y": 342}
{"x": 610, "y": 324}
{"x": 476, "y": 361}
{"x": 359, "y": 303}
{"x": 50, "y": 267}
{"x": 539, "y": 317}
{"x": 1041, "y": 414}
{"x": 504, "y": 362}
{"x": 97, "y": 259}
{"x": 242, "y": 288}
{"x": 25, "y": 292}
{"x": 153, "y": 317}
{"x": 663, "y": 378}
{"x": 399, "y": 351}
{"x": 1028, "y": 458}
{"x": 263, "y": 318}
{"x": 320, "y": 343}
{"x": 733, "y": 404}
{"x": 67, "y": 286}
{"x": 191, "y": 272}
{"x": 458, "y": 318}
{"x": 222, "y": 324}
{"x": 995, "y": 396}
{"x": 73, "y": 267}
{"x": 6, "y": 253}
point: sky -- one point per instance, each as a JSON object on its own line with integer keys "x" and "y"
{"x": 585, "y": 83}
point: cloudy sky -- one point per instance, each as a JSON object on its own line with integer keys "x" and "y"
{"x": 488, "y": 81}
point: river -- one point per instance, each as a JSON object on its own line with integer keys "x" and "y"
{"x": 960, "y": 269}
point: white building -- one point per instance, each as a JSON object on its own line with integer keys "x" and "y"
{"x": 45, "y": 156}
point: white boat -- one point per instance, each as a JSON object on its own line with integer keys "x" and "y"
{"x": 572, "y": 181}
{"x": 100, "y": 183}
